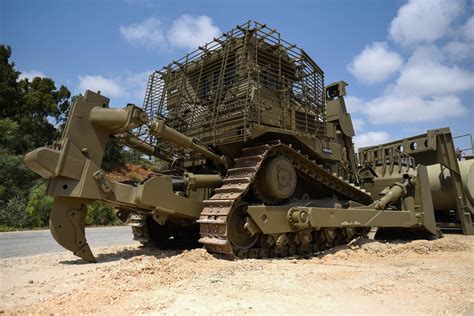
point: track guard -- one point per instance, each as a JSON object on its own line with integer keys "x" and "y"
{"x": 67, "y": 225}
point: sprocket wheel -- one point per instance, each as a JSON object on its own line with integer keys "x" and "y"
{"x": 277, "y": 179}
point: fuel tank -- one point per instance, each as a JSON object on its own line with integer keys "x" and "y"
{"x": 441, "y": 187}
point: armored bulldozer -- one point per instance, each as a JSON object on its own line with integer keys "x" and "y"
{"x": 260, "y": 155}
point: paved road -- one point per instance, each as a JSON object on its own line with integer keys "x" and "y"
{"x": 28, "y": 243}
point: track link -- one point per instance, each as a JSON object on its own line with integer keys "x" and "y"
{"x": 239, "y": 180}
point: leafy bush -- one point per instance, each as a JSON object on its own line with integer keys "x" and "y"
{"x": 158, "y": 166}
{"x": 134, "y": 176}
{"x": 13, "y": 213}
{"x": 4, "y": 228}
{"x": 101, "y": 214}
{"x": 35, "y": 211}
{"x": 40, "y": 205}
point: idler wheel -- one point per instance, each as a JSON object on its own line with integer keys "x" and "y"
{"x": 277, "y": 179}
{"x": 238, "y": 235}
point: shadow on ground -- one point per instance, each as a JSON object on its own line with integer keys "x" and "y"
{"x": 128, "y": 253}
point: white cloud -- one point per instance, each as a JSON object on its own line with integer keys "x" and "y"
{"x": 358, "y": 124}
{"x": 425, "y": 75}
{"x": 31, "y": 74}
{"x": 428, "y": 83}
{"x": 461, "y": 44}
{"x": 408, "y": 109}
{"x": 354, "y": 104}
{"x": 131, "y": 86}
{"x": 135, "y": 85}
{"x": 424, "y": 21}
{"x": 108, "y": 87}
{"x": 192, "y": 31}
{"x": 370, "y": 138}
{"x": 187, "y": 31}
{"x": 148, "y": 33}
{"x": 468, "y": 29}
{"x": 457, "y": 51}
{"x": 375, "y": 63}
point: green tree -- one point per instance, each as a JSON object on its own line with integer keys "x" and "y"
{"x": 15, "y": 178}
{"x": 29, "y": 111}
{"x": 10, "y": 94}
{"x": 35, "y": 105}
{"x": 113, "y": 155}
{"x": 42, "y": 106}
{"x": 8, "y": 133}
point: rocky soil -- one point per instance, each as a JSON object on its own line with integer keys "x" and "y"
{"x": 418, "y": 277}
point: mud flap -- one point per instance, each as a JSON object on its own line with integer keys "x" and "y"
{"x": 67, "y": 225}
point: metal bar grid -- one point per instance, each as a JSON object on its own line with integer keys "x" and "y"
{"x": 391, "y": 159}
{"x": 247, "y": 77}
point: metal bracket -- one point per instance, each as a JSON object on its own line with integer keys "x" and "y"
{"x": 102, "y": 181}
{"x": 160, "y": 218}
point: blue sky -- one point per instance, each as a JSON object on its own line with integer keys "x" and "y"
{"x": 409, "y": 64}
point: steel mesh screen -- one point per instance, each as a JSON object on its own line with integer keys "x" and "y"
{"x": 247, "y": 77}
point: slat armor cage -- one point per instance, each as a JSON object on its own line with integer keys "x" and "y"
{"x": 248, "y": 78}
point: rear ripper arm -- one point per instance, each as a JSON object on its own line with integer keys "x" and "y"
{"x": 73, "y": 167}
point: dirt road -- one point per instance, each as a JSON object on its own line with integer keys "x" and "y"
{"x": 419, "y": 277}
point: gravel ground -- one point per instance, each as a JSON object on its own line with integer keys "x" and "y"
{"x": 418, "y": 277}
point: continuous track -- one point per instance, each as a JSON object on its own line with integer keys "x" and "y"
{"x": 214, "y": 218}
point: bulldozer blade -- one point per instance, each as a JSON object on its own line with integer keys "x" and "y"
{"x": 67, "y": 225}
